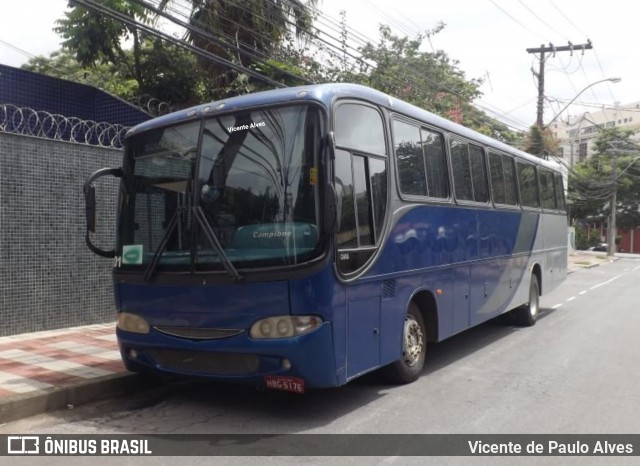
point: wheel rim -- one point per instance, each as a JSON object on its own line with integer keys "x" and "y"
{"x": 533, "y": 302}
{"x": 413, "y": 341}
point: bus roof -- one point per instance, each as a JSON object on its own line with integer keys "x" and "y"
{"x": 326, "y": 94}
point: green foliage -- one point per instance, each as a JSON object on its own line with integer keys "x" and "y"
{"x": 171, "y": 74}
{"x": 63, "y": 65}
{"x": 540, "y": 142}
{"x": 95, "y": 38}
{"x": 615, "y": 166}
{"x": 586, "y": 238}
{"x": 430, "y": 80}
{"x": 271, "y": 37}
{"x": 265, "y": 26}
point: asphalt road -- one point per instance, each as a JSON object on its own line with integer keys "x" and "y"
{"x": 575, "y": 371}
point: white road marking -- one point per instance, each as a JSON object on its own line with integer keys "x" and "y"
{"x": 605, "y": 283}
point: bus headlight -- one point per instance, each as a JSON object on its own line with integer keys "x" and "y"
{"x": 132, "y": 323}
{"x": 284, "y": 326}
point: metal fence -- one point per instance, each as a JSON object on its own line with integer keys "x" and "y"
{"x": 42, "y": 124}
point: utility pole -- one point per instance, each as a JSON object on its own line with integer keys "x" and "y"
{"x": 542, "y": 50}
{"x": 611, "y": 241}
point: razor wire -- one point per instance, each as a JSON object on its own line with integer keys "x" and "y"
{"x": 43, "y": 124}
{"x": 152, "y": 105}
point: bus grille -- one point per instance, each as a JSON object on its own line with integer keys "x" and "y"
{"x": 206, "y": 363}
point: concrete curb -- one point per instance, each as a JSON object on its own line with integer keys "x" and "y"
{"x": 53, "y": 399}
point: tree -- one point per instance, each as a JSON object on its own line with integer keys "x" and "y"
{"x": 246, "y": 33}
{"x": 95, "y": 38}
{"x": 167, "y": 72}
{"x": 429, "y": 80}
{"x": 256, "y": 29}
{"x": 614, "y": 168}
{"x": 540, "y": 142}
{"x": 62, "y": 64}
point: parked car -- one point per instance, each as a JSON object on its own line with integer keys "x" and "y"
{"x": 600, "y": 247}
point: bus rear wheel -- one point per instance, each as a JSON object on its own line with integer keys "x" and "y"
{"x": 527, "y": 314}
{"x": 414, "y": 349}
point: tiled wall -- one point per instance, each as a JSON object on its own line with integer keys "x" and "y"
{"x": 48, "y": 277}
{"x": 39, "y": 92}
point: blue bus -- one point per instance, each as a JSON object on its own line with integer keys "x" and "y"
{"x": 301, "y": 237}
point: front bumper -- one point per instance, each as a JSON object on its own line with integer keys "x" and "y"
{"x": 238, "y": 359}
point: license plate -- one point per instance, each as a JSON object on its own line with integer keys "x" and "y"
{"x": 287, "y": 384}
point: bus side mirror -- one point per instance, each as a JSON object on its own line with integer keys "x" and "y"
{"x": 90, "y": 208}
{"x": 331, "y": 220}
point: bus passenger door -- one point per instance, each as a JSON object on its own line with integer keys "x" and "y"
{"x": 461, "y": 292}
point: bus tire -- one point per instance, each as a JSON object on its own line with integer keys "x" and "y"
{"x": 527, "y": 314}
{"x": 414, "y": 349}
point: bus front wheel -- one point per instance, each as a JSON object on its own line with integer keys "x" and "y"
{"x": 527, "y": 314}
{"x": 414, "y": 349}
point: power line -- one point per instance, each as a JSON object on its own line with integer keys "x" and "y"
{"x": 542, "y": 50}
{"x": 91, "y": 5}
{"x": 542, "y": 20}
{"x": 514, "y": 19}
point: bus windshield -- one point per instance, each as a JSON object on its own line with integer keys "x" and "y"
{"x": 235, "y": 191}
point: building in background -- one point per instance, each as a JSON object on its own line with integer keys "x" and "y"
{"x": 577, "y": 133}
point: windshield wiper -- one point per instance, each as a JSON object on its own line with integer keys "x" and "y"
{"x": 215, "y": 243}
{"x": 148, "y": 273}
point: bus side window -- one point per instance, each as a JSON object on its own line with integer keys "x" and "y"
{"x": 359, "y": 127}
{"x": 498, "y": 189}
{"x": 478, "y": 174}
{"x": 559, "y": 191}
{"x": 503, "y": 180}
{"x": 410, "y": 159}
{"x": 361, "y": 181}
{"x": 528, "y": 185}
{"x": 435, "y": 164}
{"x": 547, "y": 189}
{"x": 469, "y": 174}
{"x": 347, "y": 236}
{"x": 461, "y": 170}
{"x": 511, "y": 188}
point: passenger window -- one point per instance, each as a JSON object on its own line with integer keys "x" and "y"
{"x": 469, "y": 174}
{"x": 479, "y": 174}
{"x": 410, "y": 159}
{"x": 461, "y": 170}
{"x": 359, "y": 127}
{"x": 559, "y": 191}
{"x": 497, "y": 179}
{"x": 503, "y": 180}
{"x": 547, "y": 189}
{"x": 528, "y": 185}
{"x": 510, "y": 186}
{"x": 436, "y": 164}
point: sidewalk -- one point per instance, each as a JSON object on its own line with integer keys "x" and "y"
{"x": 586, "y": 259}
{"x": 59, "y": 369}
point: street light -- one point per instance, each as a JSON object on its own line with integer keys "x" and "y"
{"x": 613, "y": 80}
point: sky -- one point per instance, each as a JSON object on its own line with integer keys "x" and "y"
{"x": 488, "y": 39}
